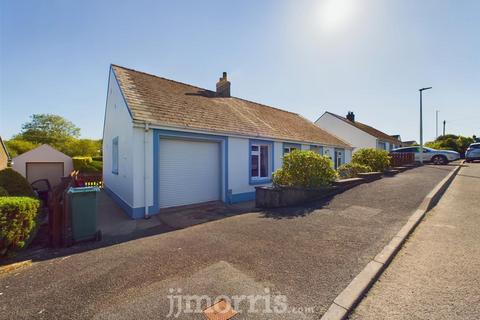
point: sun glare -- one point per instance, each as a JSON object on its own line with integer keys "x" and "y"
{"x": 335, "y": 14}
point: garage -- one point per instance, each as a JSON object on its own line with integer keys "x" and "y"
{"x": 43, "y": 162}
{"x": 53, "y": 171}
{"x": 189, "y": 172}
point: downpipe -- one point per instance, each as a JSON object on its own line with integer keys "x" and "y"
{"x": 145, "y": 160}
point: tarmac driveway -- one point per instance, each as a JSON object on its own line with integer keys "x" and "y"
{"x": 294, "y": 260}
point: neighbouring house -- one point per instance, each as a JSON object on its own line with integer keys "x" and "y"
{"x": 409, "y": 143}
{"x": 4, "y": 155}
{"x": 168, "y": 144}
{"x": 43, "y": 162}
{"x": 357, "y": 134}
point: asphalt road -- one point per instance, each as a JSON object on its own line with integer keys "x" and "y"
{"x": 304, "y": 257}
{"x": 437, "y": 274}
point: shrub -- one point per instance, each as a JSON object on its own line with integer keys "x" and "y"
{"x": 87, "y": 165}
{"x": 15, "y": 184}
{"x": 377, "y": 160}
{"x": 17, "y": 220}
{"x": 3, "y": 192}
{"x": 305, "y": 169}
{"x": 351, "y": 170}
{"x": 97, "y": 158}
{"x": 81, "y": 162}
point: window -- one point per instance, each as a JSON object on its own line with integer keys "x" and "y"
{"x": 289, "y": 147}
{"x": 382, "y": 145}
{"x": 115, "y": 155}
{"x": 259, "y": 161}
{"x": 316, "y": 149}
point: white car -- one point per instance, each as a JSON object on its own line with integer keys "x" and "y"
{"x": 431, "y": 155}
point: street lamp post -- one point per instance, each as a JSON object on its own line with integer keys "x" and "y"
{"x": 421, "y": 124}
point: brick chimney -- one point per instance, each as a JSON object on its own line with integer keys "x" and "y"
{"x": 351, "y": 116}
{"x": 223, "y": 87}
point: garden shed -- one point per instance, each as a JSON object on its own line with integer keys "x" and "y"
{"x": 43, "y": 162}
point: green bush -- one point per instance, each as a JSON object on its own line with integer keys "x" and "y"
{"x": 81, "y": 162}
{"x": 351, "y": 170}
{"x": 377, "y": 160}
{"x": 17, "y": 220}
{"x": 87, "y": 165}
{"x": 305, "y": 169}
{"x": 98, "y": 158}
{"x": 3, "y": 192}
{"x": 15, "y": 184}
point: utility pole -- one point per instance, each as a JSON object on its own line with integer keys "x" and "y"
{"x": 421, "y": 123}
{"x": 444, "y": 122}
{"x": 436, "y": 124}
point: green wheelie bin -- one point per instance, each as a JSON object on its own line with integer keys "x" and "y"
{"x": 83, "y": 213}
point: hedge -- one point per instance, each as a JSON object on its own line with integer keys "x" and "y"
{"x": 87, "y": 164}
{"x": 17, "y": 220}
{"x": 15, "y": 183}
{"x": 3, "y": 192}
{"x": 352, "y": 169}
{"x": 377, "y": 160}
{"x": 81, "y": 162}
{"x": 305, "y": 169}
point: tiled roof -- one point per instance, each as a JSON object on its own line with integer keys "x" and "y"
{"x": 366, "y": 128}
{"x": 5, "y": 148}
{"x": 166, "y": 102}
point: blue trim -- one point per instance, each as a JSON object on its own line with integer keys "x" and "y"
{"x": 133, "y": 213}
{"x": 121, "y": 91}
{"x": 242, "y": 197}
{"x": 291, "y": 145}
{"x": 271, "y": 162}
{"x": 159, "y": 133}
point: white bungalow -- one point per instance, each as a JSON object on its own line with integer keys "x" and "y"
{"x": 357, "y": 134}
{"x": 168, "y": 144}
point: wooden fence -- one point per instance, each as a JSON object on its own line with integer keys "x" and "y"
{"x": 399, "y": 159}
{"x": 59, "y": 225}
{"x": 58, "y": 219}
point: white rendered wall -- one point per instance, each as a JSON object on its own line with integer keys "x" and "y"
{"x": 350, "y": 134}
{"x": 138, "y": 153}
{"x": 238, "y": 164}
{"x": 118, "y": 123}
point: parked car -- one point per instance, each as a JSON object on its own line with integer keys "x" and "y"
{"x": 473, "y": 152}
{"x": 431, "y": 155}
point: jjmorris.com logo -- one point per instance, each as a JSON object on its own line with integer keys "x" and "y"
{"x": 266, "y": 303}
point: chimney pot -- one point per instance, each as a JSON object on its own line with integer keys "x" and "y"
{"x": 351, "y": 116}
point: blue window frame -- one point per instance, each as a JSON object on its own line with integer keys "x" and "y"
{"x": 317, "y": 149}
{"x": 115, "y": 155}
{"x": 260, "y": 161}
{"x": 289, "y": 147}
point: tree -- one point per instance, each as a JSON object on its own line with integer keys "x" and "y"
{"x": 451, "y": 142}
{"x": 48, "y": 129}
{"x": 82, "y": 147}
{"x": 17, "y": 146}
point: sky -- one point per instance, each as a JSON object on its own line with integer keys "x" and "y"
{"x": 365, "y": 56}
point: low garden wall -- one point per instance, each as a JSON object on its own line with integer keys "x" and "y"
{"x": 276, "y": 197}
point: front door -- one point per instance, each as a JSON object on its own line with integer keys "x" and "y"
{"x": 339, "y": 157}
